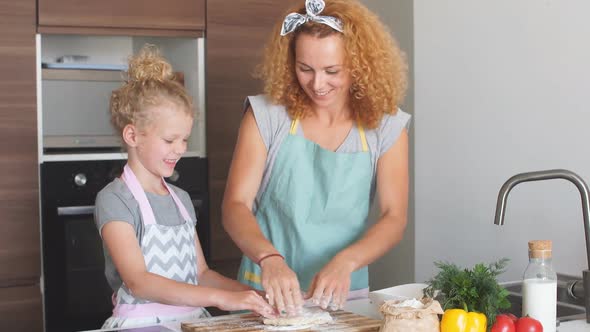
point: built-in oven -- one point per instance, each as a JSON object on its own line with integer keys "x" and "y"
{"x": 76, "y": 293}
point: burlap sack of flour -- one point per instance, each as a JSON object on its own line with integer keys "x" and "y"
{"x": 410, "y": 315}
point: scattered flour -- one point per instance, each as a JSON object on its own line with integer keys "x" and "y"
{"x": 309, "y": 317}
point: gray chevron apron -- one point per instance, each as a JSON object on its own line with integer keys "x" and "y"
{"x": 168, "y": 251}
{"x": 316, "y": 204}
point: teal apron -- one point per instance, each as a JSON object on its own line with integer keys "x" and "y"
{"x": 315, "y": 205}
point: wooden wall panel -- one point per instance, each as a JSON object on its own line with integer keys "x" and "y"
{"x": 20, "y": 295}
{"x": 19, "y": 188}
{"x": 20, "y": 309}
{"x": 139, "y": 14}
{"x": 236, "y": 33}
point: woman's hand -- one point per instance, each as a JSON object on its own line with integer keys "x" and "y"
{"x": 281, "y": 286}
{"x": 246, "y": 300}
{"x": 329, "y": 288}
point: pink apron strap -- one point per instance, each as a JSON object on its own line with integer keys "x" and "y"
{"x": 139, "y": 195}
{"x": 144, "y": 205}
{"x": 150, "y": 309}
{"x": 181, "y": 206}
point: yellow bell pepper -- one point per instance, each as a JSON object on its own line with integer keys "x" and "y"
{"x": 459, "y": 320}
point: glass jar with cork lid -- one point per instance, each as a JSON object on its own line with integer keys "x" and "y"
{"x": 539, "y": 286}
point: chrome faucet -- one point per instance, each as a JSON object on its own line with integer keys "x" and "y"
{"x": 584, "y": 194}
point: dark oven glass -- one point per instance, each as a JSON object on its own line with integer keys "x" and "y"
{"x": 76, "y": 293}
{"x": 86, "y": 289}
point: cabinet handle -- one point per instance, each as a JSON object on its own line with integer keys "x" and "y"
{"x": 75, "y": 210}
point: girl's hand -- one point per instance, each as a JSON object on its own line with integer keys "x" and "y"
{"x": 246, "y": 300}
{"x": 329, "y": 288}
{"x": 281, "y": 286}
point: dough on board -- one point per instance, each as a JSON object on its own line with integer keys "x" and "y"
{"x": 310, "y": 316}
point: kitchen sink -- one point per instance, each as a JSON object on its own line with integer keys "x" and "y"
{"x": 568, "y": 308}
{"x": 563, "y": 309}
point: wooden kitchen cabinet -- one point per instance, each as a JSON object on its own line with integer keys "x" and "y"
{"x": 127, "y": 16}
{"x": 236, "y": 33}
{"x": 20, "y": 309}
{"x": 20, "y": 295}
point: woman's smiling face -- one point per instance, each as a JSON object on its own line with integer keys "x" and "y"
{"x": 320, "y": 69}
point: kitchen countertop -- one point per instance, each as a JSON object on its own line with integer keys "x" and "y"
{"x": 574, "y": 326}
{"x": 365, "y": 307}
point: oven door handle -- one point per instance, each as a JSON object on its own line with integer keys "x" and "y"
{"x": 75, "y": 210}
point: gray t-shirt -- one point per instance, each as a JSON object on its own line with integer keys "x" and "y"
{"x": 116, "y": 203}
{"x": 274, "y": 124}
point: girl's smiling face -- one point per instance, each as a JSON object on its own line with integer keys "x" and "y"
{"x": 164, "y": 140}
{"x": 320, "y": 69}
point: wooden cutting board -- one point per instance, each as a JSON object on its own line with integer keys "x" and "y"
{"x": 343, "y": 321}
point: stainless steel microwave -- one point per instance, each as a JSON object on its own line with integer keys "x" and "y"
{"x": 76, "y": 108}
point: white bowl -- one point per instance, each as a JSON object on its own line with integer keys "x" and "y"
{"x": 400, "y": 292}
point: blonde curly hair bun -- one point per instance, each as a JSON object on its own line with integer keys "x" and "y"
{"x": 150, "y": 82}
{"x": 149, "y": 65}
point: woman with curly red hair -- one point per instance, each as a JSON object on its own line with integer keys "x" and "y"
{"x": 312, "y": 152}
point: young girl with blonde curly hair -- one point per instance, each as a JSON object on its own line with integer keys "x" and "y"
{"x": 312, "y": 152}
{"x": 153, "y": 258}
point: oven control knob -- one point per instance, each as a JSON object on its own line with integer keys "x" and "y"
{"x": 80, "y": 179}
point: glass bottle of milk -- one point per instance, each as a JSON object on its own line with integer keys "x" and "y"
{"x": 539, "y": 286}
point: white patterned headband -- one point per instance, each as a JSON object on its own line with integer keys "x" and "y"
{"x": 313, "y": 9}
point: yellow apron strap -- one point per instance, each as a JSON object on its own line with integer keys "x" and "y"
{"x": 363, "y": 137}
{"x": 251, "y": 276}
{"x": 294, "y": 124}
